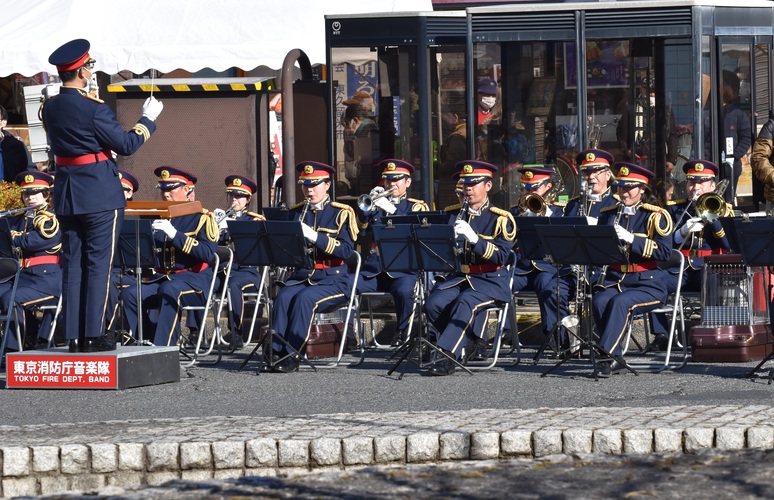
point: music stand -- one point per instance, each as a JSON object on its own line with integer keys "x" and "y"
{"x": 137, "y": 249}
{"x": 417, "y": 248}
{"x": 584, "y": 246}
{"x": 276, "y": 243}
{"x": 755, "y": 240}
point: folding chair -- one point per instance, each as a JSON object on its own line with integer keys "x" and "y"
{"x": 351, "y": 305}
{"x": 256, "y": 299}
{"x": 367, "y": 298}
{"x": 673, "y": 305}
{"x": 221, "y": 263}
{"x": 9, "y": 269}
{"x": 502, "y": 310}
{"x": 57, "y": 310}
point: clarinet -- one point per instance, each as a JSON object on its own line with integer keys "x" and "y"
{"x": 463, "y": 210}
{"x": 603, "y": 273}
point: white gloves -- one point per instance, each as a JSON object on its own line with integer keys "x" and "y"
{"x": 692, "y": 225}
{"x": 376, "y": 191}
{"x": 151, "y": 108}
{"x": 385, "y": 204}
{"x": 623, "y": 234}
{"x": 165, "y": 226}
{"x": 309, "y": 233}
{"x": 591, "y": 221}
{"x": 462, "y": 228}
{"x": 224, "y": 223}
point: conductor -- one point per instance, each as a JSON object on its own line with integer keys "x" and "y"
{"x": 88, "y": 197}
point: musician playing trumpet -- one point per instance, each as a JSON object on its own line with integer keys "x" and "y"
{"x": 330, "y": 229}
{"x": 695, "y": 236}
{"x": 396, "y": 176}
{"x": 239, "y": 192}
{"x": 644, "y": 230}
{"x": 485, "y": 236}
{"x": 187, "y": 245}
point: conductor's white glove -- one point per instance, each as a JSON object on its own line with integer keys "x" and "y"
{"x": 151, "y": 108}
{"x": 692, "y": 225}
{"x": 309, "y": 233}
{"x": 623, "y": 234}
{"x": 462, "y": 228}
{"x": 165, "y": 226}
{"x": 591, "y": 221}
{"x": 385, "y": 204}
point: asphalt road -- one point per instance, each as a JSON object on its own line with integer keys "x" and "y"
{"x": 221, "y": 390}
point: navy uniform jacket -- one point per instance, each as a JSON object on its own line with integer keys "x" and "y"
{"x": 194, "y": 244}
{"x": 372, "y": 265}
{"x": 593, "y": 206}
{"x": 483, "y": 264}
{"x": 711, "y": 238}
{"x": 78, "y": 125}
{"x": 652, "y": 229}
{"x": 336, "y": 227}
{"x": 36, "y": 234}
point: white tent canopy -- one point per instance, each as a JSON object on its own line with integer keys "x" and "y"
{"x": 171, "y": 34}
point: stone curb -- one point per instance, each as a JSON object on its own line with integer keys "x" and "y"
{"x": 71, "y": 457}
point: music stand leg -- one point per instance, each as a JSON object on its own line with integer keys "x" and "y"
{"x": 759, "y": 365}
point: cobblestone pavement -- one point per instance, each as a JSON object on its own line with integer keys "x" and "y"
{"x": 719, "y": 474}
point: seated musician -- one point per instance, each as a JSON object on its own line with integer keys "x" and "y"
{"x": 694, "y": 237}
{"x": 645, "y": 231}
{"x": 537, "y": 275}
{"x": 594, "y": 166}
{"x": 246, "y": 279}
{"x": 118, "y": 278}
{"x": 485, "y": 234}
{"x": 330, "y": 229}
{"x": 396, "y": 175}
{"x": 187, "y": 245}
{"x": 35, "y": 233}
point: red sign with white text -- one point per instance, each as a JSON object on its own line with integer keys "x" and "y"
{"x": 61, "y": 372}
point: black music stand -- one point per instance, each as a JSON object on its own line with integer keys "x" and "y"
{"x": 277, "y": 243}
{"x": 755, "y": 240}
{"x": 417, "y": 248}
{"x": 137, "y": 249}
{"x": 530, "y": 247}
{"x": 584, "y": 246}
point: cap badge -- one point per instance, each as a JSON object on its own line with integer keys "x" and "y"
{"x": 308, "y": 169}
{"x": 237, "y": 182}
{"x": 164, "y": 175}
{"x": 29, "y": 179}
{"x": 467, "y": 169}
{"x": 528, "y": 175}
{"x": 590, "y": 157}
{"x": 699, "y": 167}
{"x": 391, "y": 166}
{"x": 623, "y": 172}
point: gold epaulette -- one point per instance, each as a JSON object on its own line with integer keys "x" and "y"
{"x": 341, "y": 206}
{"x": 675, "y": 202}
{"x": 499, "y": 211}
{"x": 255, "y": 216}
{"x": 95, "y": 99}
{"x": 652, "y": 208}
{"x": 419, "y": 205}
{"x": 414, "y": 200}
{"x": 609, "y": 209}
{"x": 297, "y": 205}
{"x": 452, "y": 208}
{"x": 345, "y": 219}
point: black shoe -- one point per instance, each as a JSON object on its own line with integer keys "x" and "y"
{"x": 660, "y": 343}
{"x": 604, "y": 369}
{"x": 41, "y": 344}
{"x": 97, "y": 344}
{"x": 400, "y": 338}
{"x": 287, "y": 365}
{"x": 617, "y": 368}
{"x": 478, "y": 352}
{"x": 442, "y": 367}
{"x": 72, "y": 345}
{"x": 236, "y": 341}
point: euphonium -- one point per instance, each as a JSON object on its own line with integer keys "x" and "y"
{"x": 711, "y": 206}
{"x": 536, "y": 204}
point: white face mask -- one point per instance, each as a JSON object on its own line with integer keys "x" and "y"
{"x": 489, "y": 101}
{"x": 653, "y": 102}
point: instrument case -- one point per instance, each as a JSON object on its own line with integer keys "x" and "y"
{"x": 324, "y": 340}
{"x": 730, "y": 344}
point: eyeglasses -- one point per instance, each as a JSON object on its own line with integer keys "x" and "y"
{"x": 594, "y": 173}
{"x": 89, "y": 64}
{"x": 127, "y": 190}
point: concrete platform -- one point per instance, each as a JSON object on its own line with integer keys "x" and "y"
{"x": 123, "y": 368}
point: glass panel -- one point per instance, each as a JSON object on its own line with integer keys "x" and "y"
{"x": 449, "y": 124}
{"x": 376, "y": 112}
{"x": 708, "y": 117}
{"x": 760, "y": 86}
{"x": 736, "y": 131}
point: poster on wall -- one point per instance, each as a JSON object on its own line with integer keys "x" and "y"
{"x": 607, "y": 64}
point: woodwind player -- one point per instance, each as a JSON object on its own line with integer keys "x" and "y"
{"x": 645, "y": 229}
{"x": 486, "y": 234}
{"x": 187, "y": 246}
{"x": 330, "y": 229}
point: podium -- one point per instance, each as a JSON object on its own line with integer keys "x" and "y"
{"x": 584, "y": 245}
{"x": 417, "y": 245}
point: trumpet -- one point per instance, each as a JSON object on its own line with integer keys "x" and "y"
{"x": 221, "y": 215}
{"x": 365, "y": 202}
